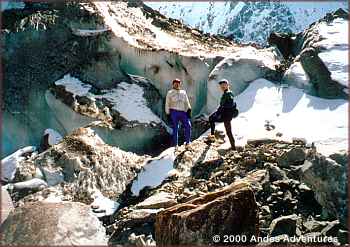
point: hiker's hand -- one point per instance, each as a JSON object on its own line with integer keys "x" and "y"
{"x": 189, "y": 113}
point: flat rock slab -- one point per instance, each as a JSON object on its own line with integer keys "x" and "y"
{"x": 230, "y": 211}
{"x": 159, "y": 200}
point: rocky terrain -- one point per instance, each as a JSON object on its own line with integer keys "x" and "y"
{"x": 99, "y": 169}
{"x": 269, "y": 188}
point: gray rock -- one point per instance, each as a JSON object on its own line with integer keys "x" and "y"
{"x": 328, "y": 180}
{"x": 284, "y": 225}
{"x": 331, "y": 228}
{"x": 159, "y": 200}
{"x": 52, "y": 176}
{"x": 314, "y": 225}
{"x": 295, "y": 156}
{"x": 62, "y": 223}
{"x": 32, "y": 184}
{"x": 340, "y": 158}
{"x": 258, "y": 142}
{"x": 275, "y": 172}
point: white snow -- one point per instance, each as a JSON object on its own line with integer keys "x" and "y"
{"x": 307, "y": 12}
{"x": 296, "y": 76}
{"x": 248, "y": 19}
{"x": 54, "y": 136}
{"x": 334, "y": 38}
{"x": 154, "y": 172}
{"x": 294, "y": 114}
{"x": 206, "y": 15}
{"x": 9, "y": 164}
{"x": 105, "y": 205}
{"x": 129, "y": 101}
{"x": 74, "y": 85}
{"x": 126, "y": 98}
{"x": 88, "y": 32}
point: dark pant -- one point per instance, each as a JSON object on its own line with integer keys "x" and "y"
{"x": 218, "y": 118}
{"x": 180, "y": 116}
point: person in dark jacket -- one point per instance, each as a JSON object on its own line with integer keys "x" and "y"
{"x": 224, "y": 113}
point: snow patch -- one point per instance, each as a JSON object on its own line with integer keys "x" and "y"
{"x": 293, "y": 113}
{"x": 296, "y": 76}
{"x": 88, "y": 32}
{"x": 126, "y": 98}
{"x": 154, "y": 172}
{"x": 9, "y": 164}
{"x": 104, "y": 206}
{"x": 129, "y": 101}
{"x": 74, "y": 85}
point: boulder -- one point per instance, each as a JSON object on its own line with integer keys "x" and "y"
{"x": 275, "y": 173}
{"x": 321, "y": 65}
{"x": 6, "y": 204}
{"x": 284, "y": 43}
{"x": 294, "y": 156}
{"x": 158, "y": 200}
{"x": 131, "y": 220}
{"x": 62, "y": 223}
{"x": 285, "y": 225}
{"x": 232, "y": 210}
{"x": 86, "y": 165}
{"x": 328, "y": 180}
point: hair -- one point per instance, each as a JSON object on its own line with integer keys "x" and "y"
{"x": 176, "y": 80}
{"x": 223, "y": 81}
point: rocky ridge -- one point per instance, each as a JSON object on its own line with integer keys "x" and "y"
{"x": 285, "y": 193}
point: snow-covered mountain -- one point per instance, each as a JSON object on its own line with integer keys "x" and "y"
{"x": 248, "y": 21}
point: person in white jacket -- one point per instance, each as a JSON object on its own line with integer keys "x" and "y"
{"x": 178, "y": 109}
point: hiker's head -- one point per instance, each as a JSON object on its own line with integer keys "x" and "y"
{"x": 224, "y": 85}
{"x": 176, "y": 84}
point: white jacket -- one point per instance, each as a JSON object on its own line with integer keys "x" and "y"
{"x": 177, "y": 100}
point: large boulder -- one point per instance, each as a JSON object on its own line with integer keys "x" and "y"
{"x": 230, "y": 211}
{"x": 294, "y": 156}
{"x": 328, "y": 180}
{"x": 285, "y": 225}
{"x": 63, "y": 223}
{"x": 82, "y": 165}
{"x": 321, "y": 65}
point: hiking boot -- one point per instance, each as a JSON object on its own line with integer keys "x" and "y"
{"x": 219, "y": 134}
{"x": 211, "y": 138}
{"x": 188, "y": 146}
{"x": 239, "y": 148}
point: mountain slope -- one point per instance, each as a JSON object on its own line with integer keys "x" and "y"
{"x": 248, "y": 21}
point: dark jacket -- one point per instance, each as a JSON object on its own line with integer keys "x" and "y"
{"x": 227, "y": 105}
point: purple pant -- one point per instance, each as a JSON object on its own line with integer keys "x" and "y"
{"x": 180, "y": 116}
